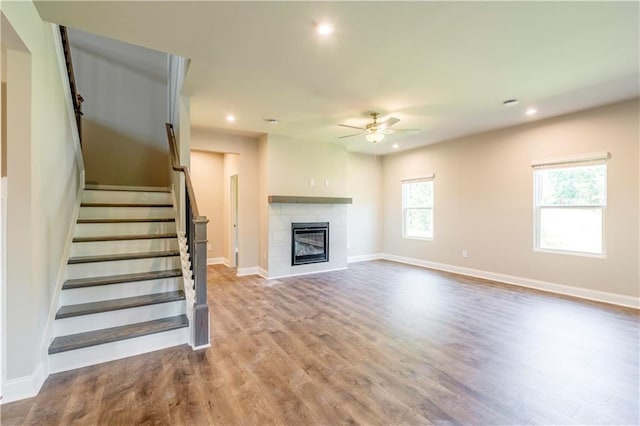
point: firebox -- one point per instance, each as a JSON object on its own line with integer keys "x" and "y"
{"x": 309, "y": 243}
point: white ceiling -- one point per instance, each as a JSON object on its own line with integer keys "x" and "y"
{"x": 443, "y": 67}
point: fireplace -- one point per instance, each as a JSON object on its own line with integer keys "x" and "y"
{"x": 309, "y": 243}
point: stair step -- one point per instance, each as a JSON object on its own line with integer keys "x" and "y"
{"x": 129, "y": 266}
{"x": 123, "y": 278}
{"x": 117, "y": 304}
{"x": 87, "y": 230}
{"x": 125, "y": 246}
{"x": 126, "y": 195}
{"x": 123, "y": 237}
{"x": 158, "y": 219}
{"x": 125, "y": 188}
{"x": 114, "y": 334}
{"x": 126, "y": 205}
{"x": 123, "y": 256}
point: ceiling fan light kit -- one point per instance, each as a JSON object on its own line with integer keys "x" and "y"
{"x": 374, "y": 132}
{"x": 374, "y": 137}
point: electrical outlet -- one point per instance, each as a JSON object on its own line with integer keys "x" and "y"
{"x": 312, "y": 182}
{"x": 465, "y": 254}
{"x": 326, "y": 182}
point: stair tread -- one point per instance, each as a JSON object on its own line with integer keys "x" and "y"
{"x": 114, "y": 204}
{"x": 114, "y": 334}
{"x": 122, "y": 256}
{"x": 123, "y": 278}
{"x": 117, "y": 304}
{"x": 123, "y": 237}
{"x": 142, "y": 220}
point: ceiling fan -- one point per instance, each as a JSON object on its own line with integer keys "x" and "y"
{"x": 374, "y": 131}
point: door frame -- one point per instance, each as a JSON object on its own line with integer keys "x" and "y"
{"x": 233, "y": 221}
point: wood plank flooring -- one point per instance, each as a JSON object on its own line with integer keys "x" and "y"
{"x": 380, "y": 343}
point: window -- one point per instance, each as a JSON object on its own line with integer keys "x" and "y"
{"x": 569, "y": 206}
{"x": 417, "y": 208}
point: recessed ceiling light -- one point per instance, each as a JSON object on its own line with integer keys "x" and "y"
{"x": 230, "y": 118}
{"x": 324, "y": 28}
{"x": 531, "y": 111}
{"x": 510, "y": 102}
{"x": 395, "y": 146}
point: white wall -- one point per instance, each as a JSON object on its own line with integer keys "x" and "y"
{"x": 484, "y": 195}
{"x": 207, "y": 177}
{"x": 44, "y": 176}
{"x": 292, "y": 163}
{"x": 125, "y": 108}
{"x": 248, "y": 183}
{"x": 364, "y": 186}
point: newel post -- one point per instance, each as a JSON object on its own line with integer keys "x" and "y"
{"x": 199, "y": 265}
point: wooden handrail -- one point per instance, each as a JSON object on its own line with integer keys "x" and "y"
{"x": 75, "y": 96}
{"x": 175, "y": 165}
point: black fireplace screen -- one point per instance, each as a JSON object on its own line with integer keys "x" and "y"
{"x": 309, "y": 243}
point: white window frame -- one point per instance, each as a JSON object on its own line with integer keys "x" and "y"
{"x": 599, "y": 158}
{"x": 428, "y": 178}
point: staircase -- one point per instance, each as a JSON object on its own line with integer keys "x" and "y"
{"x": 124, "y": 294}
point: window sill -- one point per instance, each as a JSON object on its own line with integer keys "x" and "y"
{"x": 406, "y": 237}
{"x": 571, "y": 253}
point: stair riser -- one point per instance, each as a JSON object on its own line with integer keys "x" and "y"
{"x": 116, "y": 229}
{"x": 117, "y": 350}
{"x": 98, "y": 269}
{"x": 117, "y": 291}
{"x": 122, "y": 247}
{"x": 93, "y": 196}
{"x": 80, "y": 324}
{"x": 125, "y": 212}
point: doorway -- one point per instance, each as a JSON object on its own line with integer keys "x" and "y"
{"x": 233, "y": 220}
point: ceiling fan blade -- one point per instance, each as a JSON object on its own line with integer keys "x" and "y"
{"x": 388, "y": 123}
{"x": 401, "y": 131}
{"x": 348, "y": 136}
{"x": 351, "y": 127}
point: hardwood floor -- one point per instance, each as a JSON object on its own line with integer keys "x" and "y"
{"x": 380, "y": 343}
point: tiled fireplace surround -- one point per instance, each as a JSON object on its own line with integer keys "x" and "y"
{"x": 282, "y": 215}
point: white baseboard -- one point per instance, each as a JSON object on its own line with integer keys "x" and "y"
{"x": 24, "y": 387}
{"x": 217, "y": 261}
{"x": 364, "y": 257}
{"x": 198, "y": 348}
{"x": 263, "y": 273}
{"x": 304, "y": 273}
{"x": 582, "y": 293}
{"x": 242, "y": 272}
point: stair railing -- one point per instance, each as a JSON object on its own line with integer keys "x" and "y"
{"x": 75, "y": 96}
{"x": 196, "y": 236}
